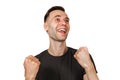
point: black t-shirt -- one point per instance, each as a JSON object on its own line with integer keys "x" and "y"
{"x": 59, "y": 67}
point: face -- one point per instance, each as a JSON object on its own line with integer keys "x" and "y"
{"x": 57, "y": 25}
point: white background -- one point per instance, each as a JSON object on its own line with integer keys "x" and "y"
{"x": 94, "y": 23}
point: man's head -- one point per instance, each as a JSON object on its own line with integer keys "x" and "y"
{"x": 56, "y": 23}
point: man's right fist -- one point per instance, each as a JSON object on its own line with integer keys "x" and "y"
{"x": 31, "y": 66}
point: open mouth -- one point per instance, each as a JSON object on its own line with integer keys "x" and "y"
{"x": 62, "y": 30}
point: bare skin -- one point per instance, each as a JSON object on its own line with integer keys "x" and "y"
{"x": 31, "y": 66}
{"x": 83, "y": 58}
{"x": 57, "y": 26}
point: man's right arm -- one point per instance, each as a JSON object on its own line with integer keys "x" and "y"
{"x": 31, "y": 66}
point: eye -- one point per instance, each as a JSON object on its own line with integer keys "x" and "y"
{"x": 66, "y": 20}
{"x": 57, "y": 19}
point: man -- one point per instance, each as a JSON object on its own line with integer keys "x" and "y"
{"x": 59, "y": 62}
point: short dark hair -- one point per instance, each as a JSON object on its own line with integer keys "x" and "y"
{"x": 52, "y": 9}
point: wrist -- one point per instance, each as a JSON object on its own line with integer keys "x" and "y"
{"x": 89, "y": 68}
{"x": 91, "y": 73}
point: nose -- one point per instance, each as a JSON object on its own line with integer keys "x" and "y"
{"x": 63, "y": 22}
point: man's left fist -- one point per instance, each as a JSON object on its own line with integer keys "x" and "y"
{"x": 83, "y": 57}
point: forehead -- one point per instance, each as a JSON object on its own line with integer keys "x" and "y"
{"x": 58, "y": 12}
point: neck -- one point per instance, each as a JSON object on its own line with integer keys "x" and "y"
{"x": 57, "y": 48}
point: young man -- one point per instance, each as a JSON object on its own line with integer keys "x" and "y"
{"x": 59, "y": 62}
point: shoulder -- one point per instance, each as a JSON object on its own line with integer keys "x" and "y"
{"x": 41, "y": 55}
{"x": 72, "y": 50}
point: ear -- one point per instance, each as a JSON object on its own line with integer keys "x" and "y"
{"x": 46, "y": 26}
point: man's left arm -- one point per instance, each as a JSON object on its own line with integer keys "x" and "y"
{"x": 83, "y": 58}
{"x": 90, "y": 74}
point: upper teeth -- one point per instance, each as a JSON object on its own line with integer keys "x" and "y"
{"x": 62, "y": 30}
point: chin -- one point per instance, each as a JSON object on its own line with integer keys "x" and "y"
{"x": 62, "y": 40}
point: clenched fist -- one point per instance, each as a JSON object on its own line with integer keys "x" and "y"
{"x": 31, "y": 66}
{"x": 83, "y": 57}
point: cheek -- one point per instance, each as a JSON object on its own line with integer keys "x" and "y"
{"x": 51, "y": 30}
{"x": 68, "y": 27}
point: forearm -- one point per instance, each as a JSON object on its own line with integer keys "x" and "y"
{"x": 29, "y": 78}
{"x": 91, "y": 73}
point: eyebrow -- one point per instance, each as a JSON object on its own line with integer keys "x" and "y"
{"x": 57, "y": 16}
{"x": 60, "y": 16}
